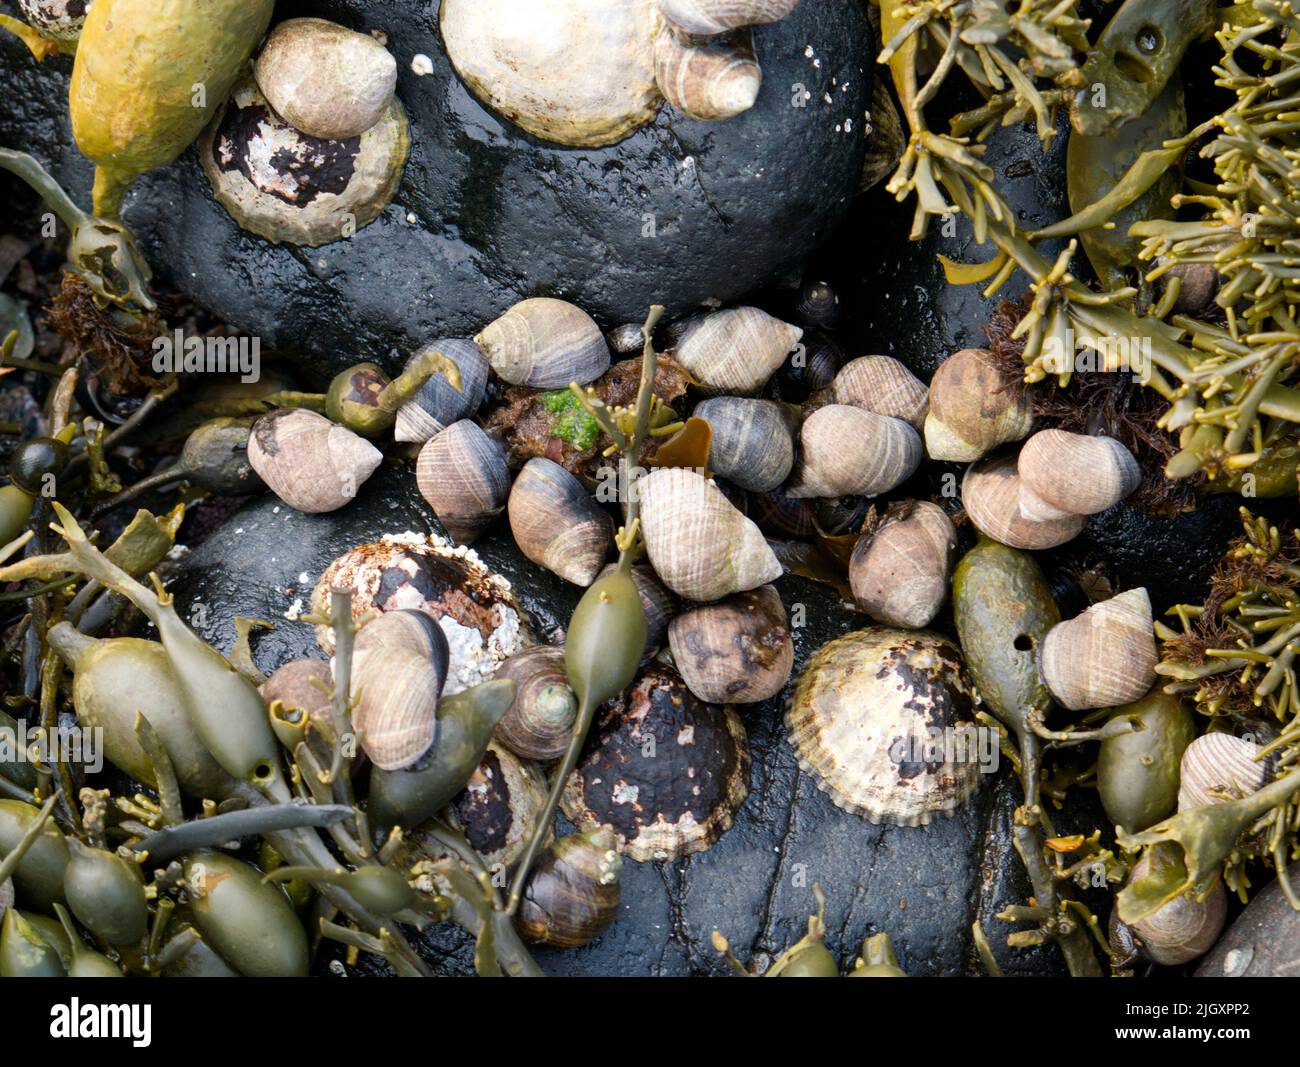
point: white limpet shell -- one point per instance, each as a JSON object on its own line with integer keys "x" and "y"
{"x": 483, "y": 622}
{"x": 884, "y": 720}
{"x": 579, "y": 74}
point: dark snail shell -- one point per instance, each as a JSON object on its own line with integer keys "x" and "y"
{"x": 287, "y": 186}
{"x": 540, "y": 720}
{"x": 817, "y": 304}
{"x": 752, "y": 446}
{"x": 734, "y": 651}
{"x": 573, "y": 894}
{"x": 462, "y": 473}
{"x": 1182, "y": 929}
{"x": 438, "y": 403}
{"x": 478, "y": 613}
{"x": 862, "y": 715}
{"x": 665, "y": 771}
{"x": 500, "y": 805}
{"x": 557, "y": 524}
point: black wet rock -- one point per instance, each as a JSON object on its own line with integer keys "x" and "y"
{"x": 923, "y": 885}
{"x": 1262, "y": 942}
{"x": 499, "y": 215}
{"x": 896, "y": 298}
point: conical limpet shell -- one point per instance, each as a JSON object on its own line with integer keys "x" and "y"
{"x": 884, "y": 720}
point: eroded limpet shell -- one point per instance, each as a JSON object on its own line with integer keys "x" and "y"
{"x": 884, "y": 720}
{"x": 579, "y": 74}
{"x": 483, "y": 622}
{"x": 287, "y": 186}
{"x": 500, "y": 806}
{"x": 665, "y": 771}
{"x": 61, "y": 20}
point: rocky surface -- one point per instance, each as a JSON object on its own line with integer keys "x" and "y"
{"x": 1262, "y": 942}
{"x": 924, "y": 885}
{"x": 486, "y": 215}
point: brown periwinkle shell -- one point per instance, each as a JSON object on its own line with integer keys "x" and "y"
{"x": 540, "y": 721}
{"x": 545, "y": 343}
{"x": 706, "y": 79}
{"x": 1065, "y": 474}
{"x": 573, "y": 893}
{"x": 665, "y": 771}
{"x": 736, "y": 350}
{"x": 899, "y": 571}
{"x": 863, "y": 719}
{"x": 884, "y": 385}
{"x": 734, "y": 651}
{"x": 974, "y": 408}
{"x": 326, "y": 80}
{"x": 849, "y": 451}
{"x": 312, "y": 464}
{"x": 1182, "y": 929}
{"x": 303, "y": 687}
{"x": 1218, "y": 767}
{"x": 483, "y": 622}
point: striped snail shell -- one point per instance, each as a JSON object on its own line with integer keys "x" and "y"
{"x": 899, "y": 572}
{"x": 462, "y": 473}
{"x": 974, "y": 408}
{"x": 309, "y": 462}
{"x": 1104, "y": 657}
{"x": 848, "y": 451}
{"x": 438, "y": 404}
{"x": 545, "y": 343}
{"x": 751, "y": 446}
{"x": 540, "y": 720}
{"x": 701, "y": 547}
{"x": 556, "y": 524}
{"x": 883, "y": 385}
{"x": 324, "y": 79}
{"x": 990, "y": 493}
{"x": 1063, "y": 474}
{"x": 718, "y": 16}
{"x": 399, "y": 666}
{"x": 573, "y": 894}
{"x": 736, "y": 350}
{"x": 1218, "y": 767}
{"x": 705, "y": 79}
{"x": 734, "y": 651}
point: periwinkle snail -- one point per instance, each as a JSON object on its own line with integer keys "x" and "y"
{"x": 309, "y": 462}
{"x": 538, "y": 724}
{"x": 990, "y": 493}
{"x": 973, "y": 408}
{"x": 546, "y": 344}
{"x": 573, "y": 895}
{"x": 557, "y": 524}
{"x": 849, "y": 451}
{"x": 438, "y": 404}
{"x": 736, "y": 350}
{"x": 736, "y": 650}
{"x": 1104, "y": 657}
{"x": 883, "y": 385}
{"x": 462, "y": 473}
{"x": 1064, "y": 474}
{"x": 751, "y": 445}
{"x": 899, "y": 571}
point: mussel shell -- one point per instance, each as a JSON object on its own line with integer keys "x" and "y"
{"x": 862, "y": 695}
{"x": 664, "y": 770}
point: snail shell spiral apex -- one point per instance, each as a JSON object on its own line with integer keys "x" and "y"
{"x": 718, "y": 16}
{"x": 1219, "y": 767}
{"x": 545, "y": 343}
{"x": 1104, "y": 657}
{"x": 705, "y": 80}
{"x": 701, "y": 547}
